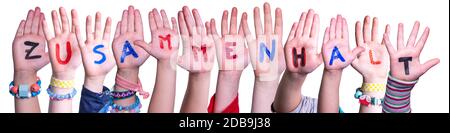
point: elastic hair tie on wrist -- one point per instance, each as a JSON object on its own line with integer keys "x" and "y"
{"x": 117, "y": 95}
{"x": 367, "y": 100}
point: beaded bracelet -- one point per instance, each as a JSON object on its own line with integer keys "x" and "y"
{"x": 57, "y": 97}
{"x": 133, "y": 108}
{"x": 117, "y": 95}
{"x": 367, "y": 100}
{"x": 23, "y": 91}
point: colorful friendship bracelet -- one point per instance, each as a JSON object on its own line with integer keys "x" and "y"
{"x": 123, "y": 83}
{"x": 57, "y": 97}
{"x": 367, "y": 100}
{"x": 373, "y": 87}
{"x": 62, "y": 83}
{"x": 117, "y": 95}
{"x": 133, "y": 108}
{"x": 24, "y": 91}
{"x": 397, "y": 96}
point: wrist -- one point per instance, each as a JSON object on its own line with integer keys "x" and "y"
{"x": 67, "y": 75}
{"x": 295, "y": 76}
{"x": 166, "y": 64}
{"x": 24, "y": 77}
{"x": 94, "y": 83}
{"x": 129, "y": 74}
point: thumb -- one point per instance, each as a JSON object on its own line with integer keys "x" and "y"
{"x": 428, "y": 65}
{"x": 143, "y": 45}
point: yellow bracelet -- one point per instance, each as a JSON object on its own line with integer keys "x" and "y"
{"x": 373, "y": 87}
{"x": 62, "y": 83}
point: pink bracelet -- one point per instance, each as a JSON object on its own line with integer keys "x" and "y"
{"x": 122, "y": 83}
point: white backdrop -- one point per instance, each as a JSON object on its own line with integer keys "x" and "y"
{"x": 431, "y": 94}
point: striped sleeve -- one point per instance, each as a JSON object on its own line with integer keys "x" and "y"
{"x": 397, "y": 97}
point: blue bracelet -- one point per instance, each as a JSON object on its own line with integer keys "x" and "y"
{"x": 57, "y": 97}
{"x": 118, "y": 95}
{"x": 114, "y": 108}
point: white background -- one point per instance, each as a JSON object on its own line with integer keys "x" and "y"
{"x": 431, "y": 94}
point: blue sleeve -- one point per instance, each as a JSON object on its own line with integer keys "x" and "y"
{"x": 91, "y": 102}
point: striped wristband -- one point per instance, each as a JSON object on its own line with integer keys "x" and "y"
{"x": 397, "y": 97}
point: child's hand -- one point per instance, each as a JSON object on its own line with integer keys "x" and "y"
{"x": 129, "y": 30}
{"x": 268, "y": 63}
{"x": 198, "y": 46}
{"x": 405, "y": 64}
{"x": 301, "y": 48}
{"x": 96, "y": 53}
{"x": 64, "y": 52}
{"x": 335, "y": 50}
{"x": 165, "y": 39}
{"x": 28, "y": 48}
{"x": 373, "y": 63}
{"x": 232, "y": 53}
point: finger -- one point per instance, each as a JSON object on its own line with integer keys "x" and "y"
{"x": 358, "y": 34}
{"x": 208, "y": 28}
{"x": 301, "y": 25}
{"x": 152, "y": 23}
{"x": 143, "y": 45}
{"x": 224, "y": 23}
{"x": 423, "y": 39}
{"x": 130, "y": 26}
{"x": 157, "y": 17}
{"x": 214, "y": 30}
{"x": 165, "y": 19}
{"x": 241, "y": 29}
{"x": 41, "y": 20}
{"x": 278, "y": 22}
{"x": 333, "y": 28}
{"x": 413, "y": 35}
{"x": 75, "y": 22}
{"x": 89, "y": 33}
{"x": 326, "y": 35}
{"x": 233, "y": 21}
{"x": 267, "y": 19}
{"x": 339, "y": 26}
{"x": 315, "y": 27}
{"x": 47, "y": 33}
{"x": 35, "y": 23}
{"x": 308, "y": 23}
{"x": 56, "y": 25}
{"x": 29, "y": 22}
{"x": 357, "y": 51}
{"x": 389, "y": 47}
{"x": 366, "y": 29}
{"x": 182, "y": 24}
{"x": 138, "y": 25}
{"x": 64, "y": 20}
{"x": 400, "y": 41}
{"x": 429, "y": 64}
{"x": 124, "y": 22}
{"x": 344, "y": 29}
{"x": 107, "y": 30}
{"x": 189, "y": 21}
{"x": 98, "y": 26}
{"x": 257, "y": 21}
{"x": 387, "y": 31}
{"x": 292, "y": 33}
{"x": 174, "y": 25}
{"x": 118, "y": 26}
{"x": 245, "y": 27}
{"x": 20, "y": 29}
{"x": 375, "y": 29}
{"x": 199, "y": 22}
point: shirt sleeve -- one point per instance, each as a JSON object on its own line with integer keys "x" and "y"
{"x": 397, "y": 96}
{"x": 91, "y": 102}
{"x": 233, "y": 107}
